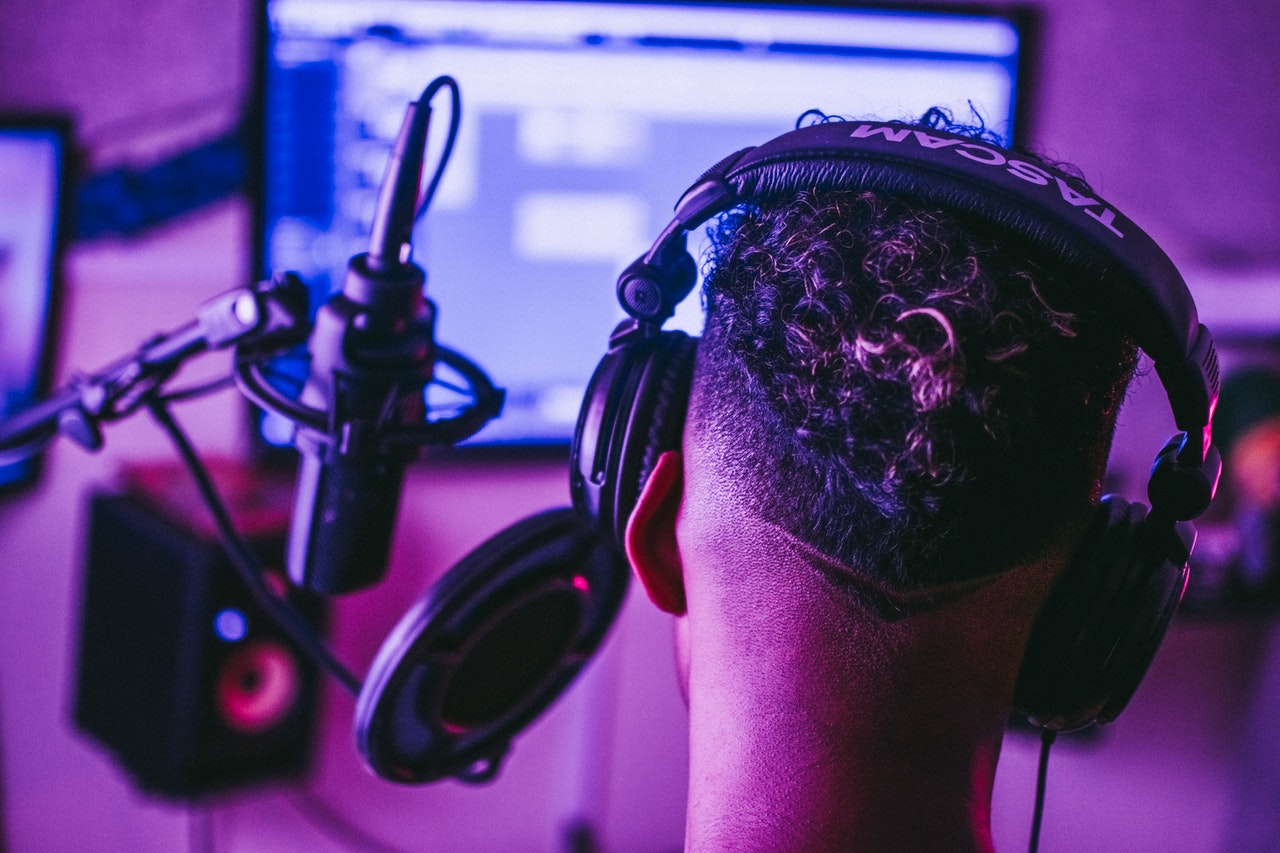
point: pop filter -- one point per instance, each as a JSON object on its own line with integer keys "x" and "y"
{"x": 487, "y": 649}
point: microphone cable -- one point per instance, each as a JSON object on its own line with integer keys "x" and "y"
{"x": 455, "y": 119}
{"x": 242, "y": 557}
{"x": 246, "y": 563}
{"x": 1047, "y": 737}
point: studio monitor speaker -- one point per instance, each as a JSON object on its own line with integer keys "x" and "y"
{"x": 181, "y": 675}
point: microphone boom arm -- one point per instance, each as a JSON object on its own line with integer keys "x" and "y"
{"x": 265, "y": 317}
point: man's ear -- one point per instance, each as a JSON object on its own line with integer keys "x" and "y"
{"x": 651, "y": 535}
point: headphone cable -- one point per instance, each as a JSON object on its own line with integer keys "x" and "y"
{"x": 1047, "y": 737}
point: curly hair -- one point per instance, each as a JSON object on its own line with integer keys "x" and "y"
{"x": 905, "y": 389}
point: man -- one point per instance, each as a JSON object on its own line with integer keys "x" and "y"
{"x": 897, "y": 430}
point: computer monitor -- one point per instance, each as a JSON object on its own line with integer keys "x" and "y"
{"x": 582, "y": 122}
{"x": 34, "y": 153}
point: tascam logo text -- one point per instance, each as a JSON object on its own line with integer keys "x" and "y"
{"x": 979, "y": 153}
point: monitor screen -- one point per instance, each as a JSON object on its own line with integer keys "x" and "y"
{"x": 33, "y": 156}
{"x": 582, "y": 122}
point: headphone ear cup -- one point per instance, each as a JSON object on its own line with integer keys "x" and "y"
{"x": 634, "y": 411}
{"x": 1100, "y": 627}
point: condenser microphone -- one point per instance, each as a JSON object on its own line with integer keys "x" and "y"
{"x": 372, "y": 353}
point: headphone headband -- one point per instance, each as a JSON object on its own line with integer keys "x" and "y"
{"x": 1028, "y": 199}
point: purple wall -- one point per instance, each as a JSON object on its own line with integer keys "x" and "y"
{"x": 1162, "y": 106}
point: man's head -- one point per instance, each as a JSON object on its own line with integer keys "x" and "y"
{"x": 916, "y": 345}
{"x": 881, "y": 512}
{"x": 904, "y": 388}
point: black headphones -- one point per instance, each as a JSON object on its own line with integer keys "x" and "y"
{"x": 559, "y": 577}
{"x": 1100, "y": 628}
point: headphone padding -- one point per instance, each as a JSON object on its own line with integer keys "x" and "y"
{"x": 633, "y": 412}
{"x": 1100, "y": 626}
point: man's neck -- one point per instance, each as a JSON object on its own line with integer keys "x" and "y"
{"x": 768, "y": 774}
{"x": 817, "y": 727}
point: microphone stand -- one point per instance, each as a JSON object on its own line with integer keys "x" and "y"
{"x": 265, "y": 317}
{"x": 260, "y": 321}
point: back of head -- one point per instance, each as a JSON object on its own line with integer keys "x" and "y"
{"x": 907, "y": 390}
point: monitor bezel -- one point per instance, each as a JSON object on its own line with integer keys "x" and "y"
{"x": 62, "y": 127}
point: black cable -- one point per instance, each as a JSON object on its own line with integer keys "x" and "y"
{"x": 200, "y": 390}
{"x": 455, "y": 118}
{"x": 1047, "y": 737}
{"x": 245, "y": 561}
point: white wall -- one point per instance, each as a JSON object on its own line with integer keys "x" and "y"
{"x": 1163, "y": 105}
